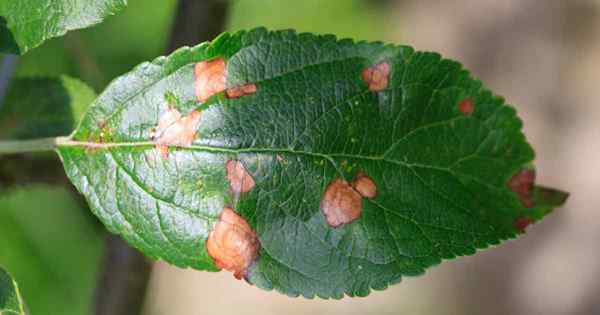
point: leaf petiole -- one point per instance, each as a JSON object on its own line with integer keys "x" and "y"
{"x": 33, "y": 145}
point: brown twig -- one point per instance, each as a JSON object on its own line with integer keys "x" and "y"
{"x": 196, "y": 22}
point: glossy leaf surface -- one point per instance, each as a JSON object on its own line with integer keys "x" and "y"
{"x": 300, "y": 112}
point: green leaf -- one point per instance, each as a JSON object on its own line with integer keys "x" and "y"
{"x": 24, "y": 25}
{"x": 51, "y": 246}
{"x": 440, "y": 148}
{"x": 43, "y": 107}
{"x": 11, "y": 302}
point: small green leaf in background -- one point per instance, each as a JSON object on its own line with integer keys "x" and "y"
{"x": 43, "y": 107}
{"x": 440, "y": 148}
{"x": 26, "y": 24}
{"x": 11, "y": 302}
{"x": 85, "y": 54}
{"x": 49, "y": 244}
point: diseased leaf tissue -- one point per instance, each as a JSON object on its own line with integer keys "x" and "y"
{"x": 306, "y": 164}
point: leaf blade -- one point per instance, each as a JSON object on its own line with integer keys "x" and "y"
{"x": 11, "y": 301}
{"x": 441, "y": 170}
{"x": 25, "y": 25}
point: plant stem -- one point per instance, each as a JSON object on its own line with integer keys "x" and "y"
{"x": 123, "y": 279}
{"x": 197, "y": 21}
{"x": 24, "y": 146}
{"x": 8, "y": 64}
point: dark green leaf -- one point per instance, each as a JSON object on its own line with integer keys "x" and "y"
{"x": 43, "y": 107}
{"x": 26, "y": 24}
{"x": 440, "y": 148}
{"x": 50, "y": 245}
{"x": 11, "y": 302}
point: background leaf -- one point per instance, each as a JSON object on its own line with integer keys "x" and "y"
{"x": 441, "y": 171}
{"x": 43, "y": 107}
{"x": 84, "y": 54}
{"x": 26, "y": 24}
{"x": 51, "y": 246}
{"x": 11, "y": 302}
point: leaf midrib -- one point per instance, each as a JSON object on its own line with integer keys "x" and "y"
{"x": 67, "y": 142}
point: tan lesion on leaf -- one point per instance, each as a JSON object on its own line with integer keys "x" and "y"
{"x": 522, "y": 184}
{"x": 173, "y": 129}
{"x": 240, "y": 181}
{"x": 364, "y": 185}
{"x": 211, "y": 77}
{"x": 232, "y": 243}
{"x": 241, "y": 90}
{"x": 342, "y": 201}
{"x": 341, "y": 204}
{"x": 377, "y": 77}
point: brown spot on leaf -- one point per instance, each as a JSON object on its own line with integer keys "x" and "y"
{"x": 240, "y": 181}
{"x": 175, "y": 130}
{"x": 377, "y": 76}
{"x": 210, "y": 78}
{"x": 522, "y": 184}
{"x": 466, "y": 106}
{"x": 232, "y": 243}
{"x": 242, "y": 90}
{"x": 341, "y": 204}
{"x": 105, "y": 133}
{"x": 365, "y": 185}
{"x": 522, "y": 223}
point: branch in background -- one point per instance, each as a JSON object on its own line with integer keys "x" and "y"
{"x": 8, "y": 64}
{"x": 196, "y": 22}
{"x": 124, "y": 278}
{"x": 89, "y": 70}
{"x": 123, "y": 281}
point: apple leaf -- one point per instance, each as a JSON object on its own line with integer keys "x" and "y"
{"x": 305, "y": 164}
{"x": 11, "y": 302}
{"x": 25, "y": 25}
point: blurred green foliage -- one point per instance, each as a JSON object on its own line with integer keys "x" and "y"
{"x": 43, "y": 107}
{"x": 51, "y": 247}
{"x": 358, "y": 19}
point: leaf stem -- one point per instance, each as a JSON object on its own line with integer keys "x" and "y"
{"x": 25, "y": 146}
